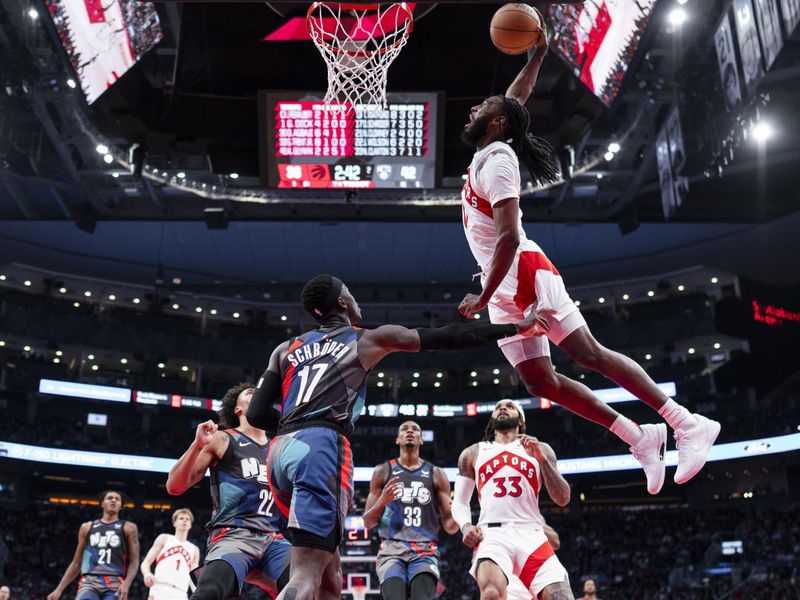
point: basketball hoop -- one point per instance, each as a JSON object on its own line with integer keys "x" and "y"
{"x": 358, "y": 585}
{"x": 358, "y": 43}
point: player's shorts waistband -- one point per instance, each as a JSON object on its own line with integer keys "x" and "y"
{"x": 298, "y": 425}
{"x": 512, "y": 524}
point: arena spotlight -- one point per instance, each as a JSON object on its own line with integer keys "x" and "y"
{"x": 101, "y": 149}
{"x": 380, "y": 374}
{"x": 236, "y": 315}
{"x": 677, "y": 17}
{"x": 62, "y": 290}
{"x": 714, "y": 280}
{"x": 681, "y": 287}
{"x": 416, "y": 374}
{"x": 474, "y": 374}
{"x": 27, "y": 283}
{"x": 87, "y": 293}
{"x": 95, "y": 367}
{"x": 175, "y": 306}
{"x": 648, "y": 356}
{"x": 71, "y": 83}
{"x": 625, "y": 296}
{"x": 108, "y": 159}
{"x": 717, "y": 345}
{"x": 577, "y": 302}
{"x": 180, "y": 175}
{"x": 33, "y": 14}
{"x": 112, "y": 297}
{"x": 650, "y": 293}
{"x": 184, "y": 368}
{"x": 380, "y": 384}
{"x": 59, "y": 353}
{"x": 284, "y": 318}
{"x": 761, "y": 131}
{"x": 682, "y": 2}
{"x": 439, "y": 375}
{"x": 691, "y": 350}
{"x": 614, "y": 147}
{"x": 161, "y": 365}
{"x": 136, "y": 301}
{"x": 496, "y": 371}
{"x": 414, "y": 384}
{"x": 437, "y": 384}
{"x": 76, "y": 304}
{"x": 90, "y": 357}
{"x": 234, "y": 176}
{"x": 27, "y": 348}
{"x": 599, "y": 175}
{"x": 609, "y": 156}
{"x": 213, "y": 311}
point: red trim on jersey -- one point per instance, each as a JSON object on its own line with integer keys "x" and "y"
{"x": 281, "y": 506}
{"x": 524, "y": 466}
{"x": 346, "y": 473}
{"x": 472, "y": 199}
{"x": 215, "y": 538}
{"x": 535, "y": 562}
{"x": 527, "y": 266}
{"x": 289, "y": 376}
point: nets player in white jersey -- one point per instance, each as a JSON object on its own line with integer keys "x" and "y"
{"x": 509, "y": 469}
{"x": 175, "y": 557}
{"x": 516, "y": 276}
{"x": 107, "y": 555}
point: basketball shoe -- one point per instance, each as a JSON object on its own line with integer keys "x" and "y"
{"x": 649, "y": 451}
{"x": 693, "y": 445}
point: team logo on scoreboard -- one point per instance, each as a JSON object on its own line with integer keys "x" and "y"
{"x": 384, "y": 172}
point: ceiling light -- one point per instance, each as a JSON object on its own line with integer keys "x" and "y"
{"x": 76, "y": 304}
{"x": 63, "y": 290}
{"x": 90, "y": 357}
{"x": 33, "y": 13}
{"x": 2, "y": 277}
{"x": 609, "y": 156}
{"x": 437, "y": 384}
{"x": 380, "y": 374}
{"x": 198, "y": 309}
{"x": 27, "y": 348}
{"x": 717, "y": 345}
{"x": 681, "y": 287}
{"x": 648, "y": 356}
{"x": 184, "y": 368}
{"x": 577, "y": 302}
{"x": 650, "y": 293}
{"x": 380, "y": 384}
{"x": 161, "y": 365}
{"x": 115, "y": 175}
{"x": 625, "y": 297}
{"x": 177, "y": 281}
{"x": 27, "y": 283}
{"x": 87, "y": 293}
{"x": 124, "y": 361}
{"x": 416, "y": 375}
{"x": 677, "y": 17}
{"x": 234, "y": 176}
{"x": 691, "y": 351}
{"x": 476, "y": 316}
{"x": 495, "y": 381}
{"x": 112, "y": 297}
{"x": 414, "y": 384}
{"x": 71, "y": 83}
{"x": 236, "y": 315}
{"x": 474, "y": 384}
{"x": 762, "y": 131}
{"x": 284, "y": 317}
{"x": 136, "y": 301}
{"x": 496, "y": 371}
{"x": 714, "y": 280}
{"x": 102, "y": 149}
{"x": 473, "y": 374}
{"x": 95, "y": 367}
{"x": 2, "y": 343}
{"x": 59, "y": 353}
{"x": 180, "y": 175}
{"x": 213, "y": 311}
{"x": 599, "y": 175}
{"x": 614, "y": 147}
{"x": 175, "y": 306}
{"x": 56, "y": 360}
{"x": 601, "y": 300}
{"x": 439, "y": 375}
{"x": 108, "y": 159}
{"x": 682, "y": 2}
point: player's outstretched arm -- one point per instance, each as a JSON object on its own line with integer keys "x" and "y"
{"x": 557, "y": 487}
{"x": 207, "y": 449}
{"x": 445, "y": 503}
{"x": 152, "y": 555}
{"x": 465, "y": 485}
{"x": 381, "y": 493}
{"x": 132, "y": 535}
{"x": 262, "y": 412}
{"x": 375, "y": 344}
{"x": 522, "y": 86}
{"x": 74, "y": 566}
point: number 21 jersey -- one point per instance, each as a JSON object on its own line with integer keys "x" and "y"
{"x": 106, "y": 549}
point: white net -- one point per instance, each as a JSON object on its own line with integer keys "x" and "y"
{"x": 358, "y": 43}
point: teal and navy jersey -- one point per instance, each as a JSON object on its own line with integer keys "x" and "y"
{"x": 240, "y": 494}
{"x": 323, "y": 378}
{"x": 106, "y": 551}
{"x": 414, "y": 517}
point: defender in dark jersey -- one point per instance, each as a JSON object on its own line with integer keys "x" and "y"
{"x": 245, "y": 543}
{"x": 107, "y": 555}
{"x": 408, "y": 496}
{"x": 319, "y": 378}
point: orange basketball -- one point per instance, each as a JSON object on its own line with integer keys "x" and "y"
{"x": 515, "y": 28}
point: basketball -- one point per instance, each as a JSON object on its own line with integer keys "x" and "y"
{"x": 515, "y": 28}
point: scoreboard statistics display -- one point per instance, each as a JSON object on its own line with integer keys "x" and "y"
{"x": 306, "y": 145}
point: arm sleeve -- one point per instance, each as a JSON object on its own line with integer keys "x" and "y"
{"x": 461, "y": 497}
{"x": 501, "y": 177}
{"x": 462, "y": 335}
{"x": 262, "y": 412}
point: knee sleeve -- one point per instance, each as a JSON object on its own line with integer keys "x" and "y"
{"x": 423, "y": 587}
{"x": 217, "y": 582}
{"x": 393, "y": 588}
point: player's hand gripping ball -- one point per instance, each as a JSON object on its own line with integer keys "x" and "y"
{"x": 516, "y": 28}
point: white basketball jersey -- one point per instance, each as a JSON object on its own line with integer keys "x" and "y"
{"x": 493, "y": 176}
{"x": 175, "y": 562}
{"x": 508, "y": 482}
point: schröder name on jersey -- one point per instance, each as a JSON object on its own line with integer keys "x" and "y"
{"x": 316, "y": 349}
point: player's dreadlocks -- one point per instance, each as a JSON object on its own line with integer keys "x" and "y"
{"x": 320, "y": 294}
{"x": 488, "y": 434}
{"x": 534, "y": 152}
{"x": 227, "y": 414}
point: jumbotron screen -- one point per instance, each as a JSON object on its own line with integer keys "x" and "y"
{"x": 104, "y": 39}
{"x": 306, "y": 144}
{"x": 599, "y": 40}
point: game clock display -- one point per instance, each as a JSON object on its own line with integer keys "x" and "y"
{"x": 306, "y": 144}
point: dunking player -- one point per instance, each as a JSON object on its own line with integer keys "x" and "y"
{"x": 407, "y": 498}
{"x": 517, "y": 276}
{"x": 245, "y": 543}
{"x": 509, "y": 468}
{"x": 319, "y": 378}
{"x": 175, "y": 558}
{"x": 107, "y": 555}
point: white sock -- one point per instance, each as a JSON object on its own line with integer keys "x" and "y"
{"x": 677, "y": 416}
{"x": 626, "y": 430}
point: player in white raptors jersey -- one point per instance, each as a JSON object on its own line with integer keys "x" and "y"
{"x": 509, "y": 469}
{"x": 175, "y": 557}
{"x": 517, "y": 277}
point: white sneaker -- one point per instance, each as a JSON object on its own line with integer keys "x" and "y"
{"x": 649, "y": 451}
{"x": 693, "y": 446}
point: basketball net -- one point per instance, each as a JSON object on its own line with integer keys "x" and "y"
{"x": 358, "y": 43}
{"x": 359, "y": 592}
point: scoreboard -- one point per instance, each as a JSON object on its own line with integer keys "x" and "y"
{"x": 306, "y": 144}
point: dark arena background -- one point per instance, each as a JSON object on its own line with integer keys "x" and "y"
{"x": 164, "y": 196}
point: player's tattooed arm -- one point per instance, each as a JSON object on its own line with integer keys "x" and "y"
{"x": 443, "y": 494}
{"x": 557, "y": 591}
{"x": 557, "y": 487}
{"x": 132, "y": 535}
{"x": 466, "y": 462}
{"x": 382, "y": 491}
